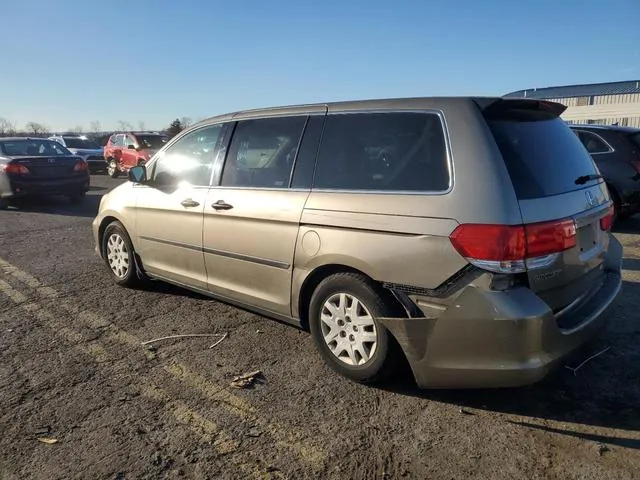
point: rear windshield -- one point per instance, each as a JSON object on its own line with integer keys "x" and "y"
{"x": 543, "y": 156}
{"x": 77, "y": 142}
{"x": 32, "y": 148}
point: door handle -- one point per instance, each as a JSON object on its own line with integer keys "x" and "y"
{"x": 189, "y": 203}
{"x": 221, "y": 205}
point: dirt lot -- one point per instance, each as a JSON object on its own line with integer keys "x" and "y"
{"x": 72, "y": 369}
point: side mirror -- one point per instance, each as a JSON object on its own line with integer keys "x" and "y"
{"x": 138, "y": 174}
{"x": 131, "y": 147}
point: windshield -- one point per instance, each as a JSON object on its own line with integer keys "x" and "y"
{"x": 77, "y": 142}
{"x": 155, "y": 142}
{"x": 32, "y": 148}
{"x": 543, "y": 157}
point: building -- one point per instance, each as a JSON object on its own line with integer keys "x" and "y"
{"x": 599, "y": 103}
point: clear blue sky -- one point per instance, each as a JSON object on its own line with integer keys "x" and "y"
{"x": 69, "y": 62}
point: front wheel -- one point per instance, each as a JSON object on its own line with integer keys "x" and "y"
{"x": 343, "y": 321}
{"x": 118, "y": 253}
{"x": 112, "y": 168}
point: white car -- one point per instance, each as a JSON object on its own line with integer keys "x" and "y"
{"x": 84, "y": 147}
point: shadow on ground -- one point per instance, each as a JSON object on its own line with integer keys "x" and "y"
{"x": 58, "y": 205}
{"x": 603, "y": 392}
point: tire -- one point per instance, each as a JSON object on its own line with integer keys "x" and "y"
{"x": 77, "y": 198}
{"x": 3, "y": 204}
{"x": 141, "y": 163}
{"x": 119, "y": 255}
{"x": 112, "y": 168}
{"x": 347, "y": 288}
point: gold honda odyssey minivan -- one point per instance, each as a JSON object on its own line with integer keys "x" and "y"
{"x": 469, "y": 235}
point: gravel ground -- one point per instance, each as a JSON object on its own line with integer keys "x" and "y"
{"x": 73, "y": 370}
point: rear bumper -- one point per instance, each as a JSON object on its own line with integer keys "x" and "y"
{"x": 21, "y": 188}
{"x": 501, "y": 339}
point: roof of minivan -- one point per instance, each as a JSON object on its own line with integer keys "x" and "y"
{"x": 374, "y": 104}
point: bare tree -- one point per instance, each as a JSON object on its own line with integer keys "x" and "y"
{"x": 124, "y": 126}
{"x": 7, "y": 127}
{"x": 95, "y": 126}
{"x": 141, "y": 126}
{"x": 78, "y": 129}
{"x": 186, "y": 121}
{"x": 37, "y": 129}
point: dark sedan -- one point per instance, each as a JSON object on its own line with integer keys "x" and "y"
{"x": 38, "y": 167}
{"x": 616, "y": 152}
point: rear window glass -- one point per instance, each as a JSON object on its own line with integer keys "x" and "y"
{"x": 78, "y": 142}
{"x": 395, "y": 151}
{"x": 543, "y": 156}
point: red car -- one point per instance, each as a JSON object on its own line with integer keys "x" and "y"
{"x": 126, "y": 150}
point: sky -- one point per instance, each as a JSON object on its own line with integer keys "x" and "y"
{"x": 68, "y": 63}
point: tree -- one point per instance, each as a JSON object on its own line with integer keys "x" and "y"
{"x": 186, "y": 122}
{"x": 7, "y": 127}
{"x": 124, "y": 126}
{"x": 37, "y": 129}
{"x": 175, "y": 128}
{"x": 95, "y": 126}
{"x": 78, "y": 129}
{"x": 141, "y": 126}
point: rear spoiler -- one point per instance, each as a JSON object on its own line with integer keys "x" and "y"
{"x": 497, "y": 106}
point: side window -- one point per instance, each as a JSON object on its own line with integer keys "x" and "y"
{"x": 395, "y": 151}
{"x": 593, "y": 143}
{"x": 189, "y": 159}
{"x": 117, "y": 140}
{"x": 262, "y": 152}
{"x": 130, "y": 140}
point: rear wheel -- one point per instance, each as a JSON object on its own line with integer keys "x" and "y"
{"x": 118, "y": 253}
{"x": 343, "y": 321}
{"x": 141, "y": 163}
{"x": 112, "y": 168}
{"x": 3, "y": 204}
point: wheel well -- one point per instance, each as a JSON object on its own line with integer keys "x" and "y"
{"x": 103, "y": 226}
{"x": 313, "y": 280}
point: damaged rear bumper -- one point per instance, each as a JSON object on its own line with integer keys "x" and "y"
{"x": 501, "y": 339}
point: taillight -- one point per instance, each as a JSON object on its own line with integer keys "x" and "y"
{"x": 15, "y": 168}
{"x": 606, "y": 222}
{"x": 514, "y": 248}
{"x": 80, "y": 166}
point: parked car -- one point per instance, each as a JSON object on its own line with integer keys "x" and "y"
{"x": 126, "y": 150}
{"x": 470, "y": 235}
{"x": 38, "y": 166}
{"x": 84, "y": 147}
{"x": 616, "y": 151}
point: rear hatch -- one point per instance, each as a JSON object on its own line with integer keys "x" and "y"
{"x": 48, "y": 168}
{"x": 565, "y": 205}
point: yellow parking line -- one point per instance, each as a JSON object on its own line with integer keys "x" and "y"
{"x": 291, "y": 440}
{"x": 91, "y": 348}
{"x": 235, "y": 405}
{"x": 205, "y": 429}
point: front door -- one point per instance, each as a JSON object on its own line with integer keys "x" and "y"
{"x": 170, "y": 208}
{"x": 251, "y": 219}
